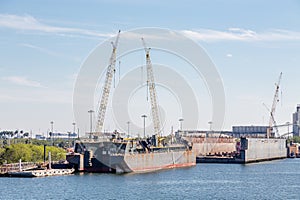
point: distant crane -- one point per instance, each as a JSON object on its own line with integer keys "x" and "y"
{"x": 287, "y": 124}
{"x": 272, "y": 122}
{"x": 107, "y": 85}
{"x": 152, "y": 91}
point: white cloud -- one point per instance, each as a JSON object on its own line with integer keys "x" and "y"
{"x": 5, "y": 97}
{"x": 41, "y": 96}
{"x": 40, "y": 49}
{"x": 229, "y": 55}
{"x": 30, "y": 23}
{"x": 22, "y": 81}
{"x": 49, "y": 52}
{"x": 238, "y": 34}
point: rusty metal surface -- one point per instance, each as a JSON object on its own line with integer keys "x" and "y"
{"x": 110, "y": 157}
{"x": 212, "y": 145}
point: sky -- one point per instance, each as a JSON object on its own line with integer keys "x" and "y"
{"x": 44, "y": 45}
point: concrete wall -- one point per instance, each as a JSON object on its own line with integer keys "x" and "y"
{"x": 257, "y": 149}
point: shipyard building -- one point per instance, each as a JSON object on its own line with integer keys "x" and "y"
{"x": 237, "y": 132}
{"x": 249, "y": 131}
{"x": 296, "y": 121}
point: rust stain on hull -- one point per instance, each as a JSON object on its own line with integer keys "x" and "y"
{"x": 158, "y": 161}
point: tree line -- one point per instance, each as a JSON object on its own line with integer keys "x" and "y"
{"x": 29, "y": 153}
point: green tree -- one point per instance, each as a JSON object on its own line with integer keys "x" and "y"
{"x": 29, "y": 153}
{"x": 56, "y": 153}
{"x": 2, "y": 150}
{"x": 296, "y": 139}
{"x": 15, "y": 152}
{"x": 37, "y": 153}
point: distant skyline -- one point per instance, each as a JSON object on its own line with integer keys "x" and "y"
{"x": 43, "y": 46}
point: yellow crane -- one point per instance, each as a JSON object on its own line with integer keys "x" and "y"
{"x": 152, "y": 91}
{"x": 106, "y": 88}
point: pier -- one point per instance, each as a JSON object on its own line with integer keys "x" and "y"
{"x": 14, "y": 167}
{"x": 30, "y": 169}
{"x": 40, "y": 173}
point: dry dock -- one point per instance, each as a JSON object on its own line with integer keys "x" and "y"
{"x": 262, "y": 149}
{"x": 211, "y": 145}
{"x": 252, "y": 150}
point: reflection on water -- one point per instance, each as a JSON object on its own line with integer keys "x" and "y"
{"x": 269, "y": 180}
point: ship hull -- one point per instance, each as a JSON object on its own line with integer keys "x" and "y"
{"x": 104, "y": 158}
{"x": 90, "y": 157}
{"x": 147, "y": 162}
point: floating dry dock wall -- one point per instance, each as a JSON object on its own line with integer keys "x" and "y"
{"x": 210, "y": 145}
{"x": 261, "y": 149}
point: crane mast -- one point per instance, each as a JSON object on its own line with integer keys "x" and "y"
{"x": 272, "y": 122}
{"x": 106, "y": 88}
{"x": 152, "y": 90}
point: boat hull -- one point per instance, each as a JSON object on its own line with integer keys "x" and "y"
{"x": 147, "y": 162}
{"x": 109, "y": 157}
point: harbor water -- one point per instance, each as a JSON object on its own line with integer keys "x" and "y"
{"x": 278, "y": 179}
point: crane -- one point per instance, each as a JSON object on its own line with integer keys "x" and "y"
{"x": 107, "y": 85}
{"x": 272, "y": 122}
{"x": 152, "y": 90}
{"x": 287, "y": 124}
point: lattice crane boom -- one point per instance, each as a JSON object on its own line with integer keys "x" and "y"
{"x": 152, "y": 90}
{"x": 272, "y": 122}
{"x": 107, "y": 85}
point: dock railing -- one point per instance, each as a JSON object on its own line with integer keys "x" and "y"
{"x": 16, "y": 167}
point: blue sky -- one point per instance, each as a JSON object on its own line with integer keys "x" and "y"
{"x": 44, "y": 44}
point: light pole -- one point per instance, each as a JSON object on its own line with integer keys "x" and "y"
{"x": 210, "y": 125}
{"x": 91, "y": 122}
{"x": 52, "y": 134}
{"x": 128, "y": 128}
{"x": 74, "y": 124}
{"x": 181, "y": 120}
{"x": 51, "y": 126}
{"x": 210, "y": 128}
{"x": 144, "y": 116}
